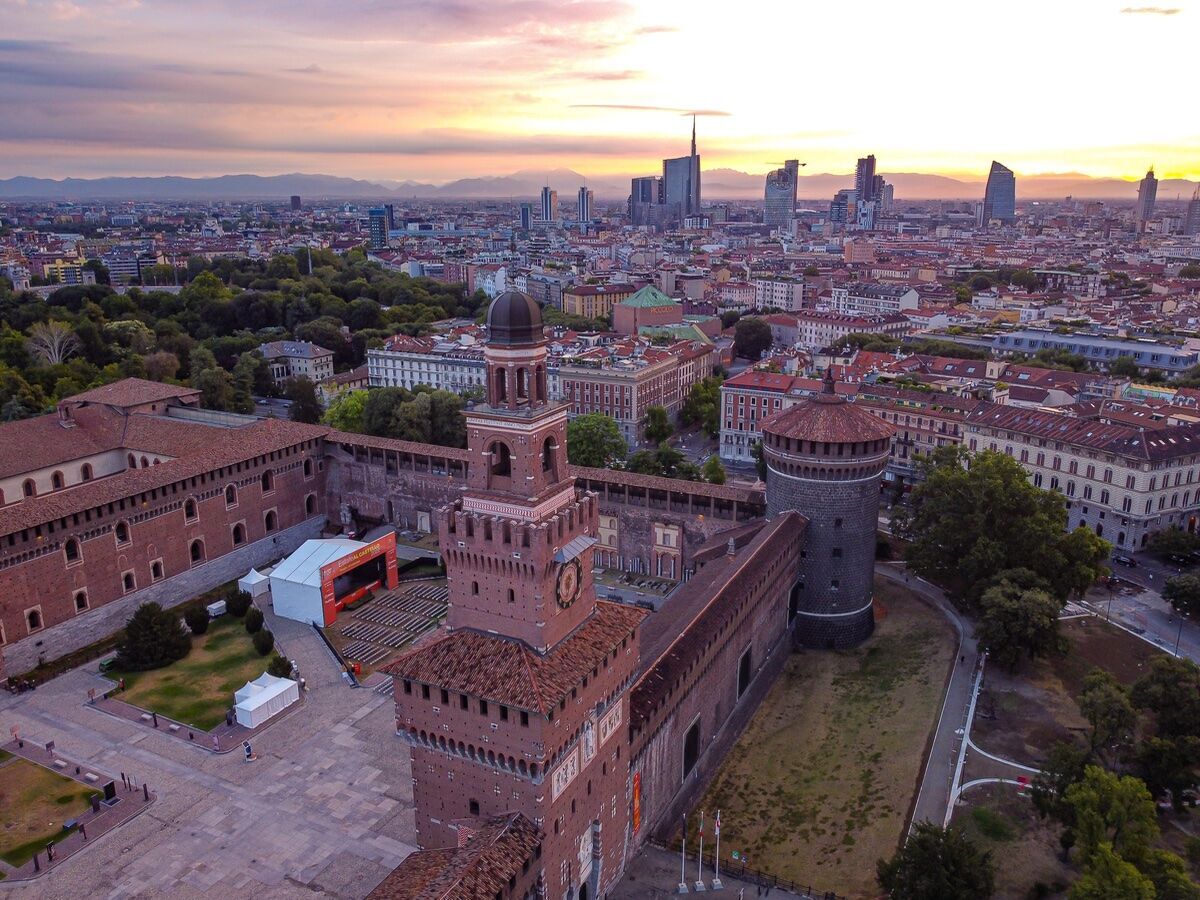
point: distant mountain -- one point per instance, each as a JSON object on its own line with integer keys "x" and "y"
{"x": 718, "y": 184}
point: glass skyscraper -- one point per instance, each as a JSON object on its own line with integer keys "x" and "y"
{"x": 1000, "y": 195}
{"x": 779, "y": 195}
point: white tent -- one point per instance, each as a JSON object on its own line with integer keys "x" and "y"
{"x": 296, "y": 582}
{"x": 262, "y": 698}
{"x": 254, "y": 583}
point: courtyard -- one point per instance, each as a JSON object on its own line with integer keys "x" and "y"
{"x": 819, "y": 786}
{"x": 34, "y": 804}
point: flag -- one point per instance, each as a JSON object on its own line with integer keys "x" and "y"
{"x": 701, "y": 829}
{"x": 717, "y": 825}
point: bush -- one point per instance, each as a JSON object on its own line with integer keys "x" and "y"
{"x": 264, "y": 641}
{"x": 280, "y": 666}
{"x": 152, "y": 638}
{"x": 237, "y": 603}
{"x": 254, "y": 620}
{"x": 197, "y": 619}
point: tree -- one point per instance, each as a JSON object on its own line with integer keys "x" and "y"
{"x": 1169, "y": 874}
{"x": 751, "y": 337}
{"x": 760, "y": 460}
{"x": 254, "y": 620}
{"x": 306, "y": 407}
{"x": 237, "y": 603}
{"x": 703, "y": 405}
{"x": 1108, "y": 877}
{"x": 53, "y": 342}
{"x": 1190, "y": 271}
{"x": 714, "y": 472}
{"x": 1124, "y": 367}
{"x": 280, "y": 666}
{"x": 665, "y": 462}
{"x": 345, "y": 413}
{"x": 594, "y": 440}
{"x": 1018, "y": 621}
{"x": 656, "y": 425}
{"x": 101, "y": 270}
{"x": 1172, "y": 542}
{"x": 937, "y": 864}
{"x": 968, "y": 524}
{"x": 1168, "y": 765}
{"x": 153, "y": 638}
{"x": 196, "y": 618}
{"x": 264, "y": 641}
{"x": 215, "y": 386}
{"x": 1113, "y": 810}
{"x": 1063, "y": 767}
{"x": 161, "y": 366}
{"x": 1171, "y": 691}
{"x": 1183, "y": 593}
{"x": 1104, "y": 702}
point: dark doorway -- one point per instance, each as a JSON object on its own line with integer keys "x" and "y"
{"x": 583, "y": 894}
{"x": 744, "y": 672}
{"x": 691, "y": 748}
{"x": 794, "y": 601}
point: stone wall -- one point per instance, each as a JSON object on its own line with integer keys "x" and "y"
{"x": 102, "y": 621}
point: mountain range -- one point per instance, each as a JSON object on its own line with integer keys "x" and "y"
{"x": 719, "y": 184}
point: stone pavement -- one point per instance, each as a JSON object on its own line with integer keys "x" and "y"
{"x": 325, "y": 810}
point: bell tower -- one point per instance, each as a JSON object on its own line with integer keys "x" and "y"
{"x": 525, "y": 531}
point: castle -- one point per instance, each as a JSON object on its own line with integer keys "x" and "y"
{"x": 550, "y": 732}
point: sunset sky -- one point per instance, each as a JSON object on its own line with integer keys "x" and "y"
{"x": 437, "y": 90}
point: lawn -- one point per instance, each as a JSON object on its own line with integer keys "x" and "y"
{"x": 1020, "y": 715}
{"x": 198, "y": 689}
{"x": 819, "y": 786}
{"x": 34, "y": 803}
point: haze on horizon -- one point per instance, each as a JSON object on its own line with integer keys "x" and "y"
{"x": 433, "y": 91}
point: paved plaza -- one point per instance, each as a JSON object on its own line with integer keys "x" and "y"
{"x": 326, "y": 809}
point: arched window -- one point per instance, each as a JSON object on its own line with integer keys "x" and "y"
{"x": 548, "y": 448}
{"x": 310, "y": 504}
{"x": 189, "y": 508}
{"x": 268, "y": 481}
{"x": 239, "y": 534}
{"x": 128, "y": 582}
{"x": 501, "y": 386}
{"x": 81, "y": 601}
{"x": 197, "y": 551}
{"x": 522, "y": 384}
{"x": 308, "y": 468}
{"x": 122, "y": 533}
{"x": 270, "y": 520}
{"x": 85, "y": 472}
{"x": 145, "y": 463}
{"x": 72, "y": 550}
{"x": 132, "y": 461}
{"x": 57, "y": 481}
{"x": 34, "y": 619}
{"x": 230, "y": 495}
{"x": 28, "y": 488}
{"x": 501, "y": 459}
{"x": 156, "y": 569}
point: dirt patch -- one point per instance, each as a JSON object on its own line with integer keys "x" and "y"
{"x": 819, "y": 786}
{"x": 1020, "y": 715}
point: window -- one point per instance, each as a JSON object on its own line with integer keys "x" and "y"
{"x": 71, "y": 548}
{"x": 122, "y": 532}
{"x": 512, "y": 597}
{"x": 483, "y": 707}
{"x": 268, "y": 481}
{"x": 197, "y": 551}
{"x": 475, "y": 587}
{"x": 189, "y": 508}
{"x": 308, "y": 468}
{"x": 473, "y": 806}
{"x": 743, "y": 678}
{"x": 836, "y": 553}
{"x": 128, "y": 582}
{"x": 81, "y": 601}
{"x": 33, "y": 619}
{"x": 501, "y": 460}
{"x": 445, "y": 697}
{"x": 524, "y": 718}
{"x": 85, "y": 472}
{"x": 503, "y": 713}
{"x": 230, "y": 495}
{"x": 462, "y": 701}
{"x": 691, "y": 748}
{"x": 270, "y": 520}
{"x": 310, "y": 504}
{"x": 57, "y": 481}
{"x": 28, "y": 488}
{"x": 156, "y": 570}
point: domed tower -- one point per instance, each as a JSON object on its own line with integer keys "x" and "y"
{"x": 825, "y": 458}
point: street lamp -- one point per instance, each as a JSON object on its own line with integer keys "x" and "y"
{"x": 1179, "y": 633}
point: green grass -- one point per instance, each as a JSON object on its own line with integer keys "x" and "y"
{"x": 5, "y": 756}
{"x": 992, "y": 825}
{"x": 34, "y": 802}
{"x": 198, "y": 689}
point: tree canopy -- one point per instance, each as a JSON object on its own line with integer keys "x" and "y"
{"x": 703, "y": 405}
{"x": 1019, "y": 619}
{"x": 656, "y": 425}
{"x": 594, "y": 440}
{"x": 751, "y": 337}
{"x": 937, "y": 863}
{"x": 153, "y": 637}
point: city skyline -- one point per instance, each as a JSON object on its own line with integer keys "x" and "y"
{"x": 436, "y": 92}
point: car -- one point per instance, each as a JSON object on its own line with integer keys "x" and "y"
{"x": 1125, "y": 561}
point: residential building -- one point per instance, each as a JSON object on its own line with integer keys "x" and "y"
{"x": 824, "y": 328}
{"x": 865, "y": 185}
{"x": 525, "y": 219}
{"x": 1191, "y": 222}
{"x": 377, "y": 227}
{"x": 779, "y": 292}
{"x": 750, "y": 397}
{"x": 595, "y": 301}
{"x": 295, "y": 200}
{"x": 1100, "y": 350}
{"x": 297, "y": 359}
{"x": 447, "y": 362}
{"x": 862, "y": 298}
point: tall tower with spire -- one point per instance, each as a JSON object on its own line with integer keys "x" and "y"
{"x": 519, "y": 706}
{"x": 681, "y": 182}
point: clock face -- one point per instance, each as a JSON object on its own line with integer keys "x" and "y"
{"x": 568, "y": 583}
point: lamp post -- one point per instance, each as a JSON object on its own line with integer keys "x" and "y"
{"x": 1179, "y": 633}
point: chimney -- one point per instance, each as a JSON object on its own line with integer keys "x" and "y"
{"x": 730, "y": 548}
{"x": 65, "y": 418}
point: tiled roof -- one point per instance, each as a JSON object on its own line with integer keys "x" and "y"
{"x": 648, "y": 297}
{"x": 509, "y": 672}
{"x": 479, "y": 870}
{"x": 131, "y": 392}
{"x": 742, "y": 494}
{"x": 293, "y": 350}
{"x": 827, "y": 417}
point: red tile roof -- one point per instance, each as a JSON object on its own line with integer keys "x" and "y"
{"x": 827, "y": 418}
{"x": 507, "y": 671}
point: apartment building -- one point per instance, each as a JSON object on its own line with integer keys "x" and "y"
{"x": 451, "y": 362}
{"x": 923, "y": 422}
{"x": 297, "y": 359}
{"x": 786, "y": 294}
{"x": 862, "y": 299}
{"x": 595, "y": 301}
{"x": 819, "y": 329}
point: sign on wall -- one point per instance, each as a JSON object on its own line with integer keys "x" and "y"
{"x": 566, "y": 772}
{"x": 384, "y": 546}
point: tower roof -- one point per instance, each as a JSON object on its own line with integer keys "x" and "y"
{"x": 514, "y": 319}
{"x": 827, "y": 418}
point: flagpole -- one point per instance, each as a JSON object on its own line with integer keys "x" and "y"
{"x": 716, "y": 882}
{"x": 700, "y": 857}
{"x": 683, "y": 888}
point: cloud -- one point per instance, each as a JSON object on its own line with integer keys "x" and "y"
{"x": 656, "y": 29}
{"x": 640, "y": 108}
{"x": 1151, "y": 10}
{"x": 310, "y": 69}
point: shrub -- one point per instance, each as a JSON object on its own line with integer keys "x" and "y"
{"x": 197, "y": 619}
{"x": 153, "y": 638}
{"x": 254, "y": 620}
{"x": 280, "y": 666}
{"x": 237, "y": 603}
{"x": 264, "y": 641}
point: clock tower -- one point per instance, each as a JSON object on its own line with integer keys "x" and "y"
{"x": 522, "y": 704}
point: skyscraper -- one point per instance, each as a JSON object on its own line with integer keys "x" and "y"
{"x": 864, "y": 179}
{"x": 585, "y": 205}
{"x": 1147, "y": 194}
{"x": 390, "y": 209}
{"x": 646, "y": 200}
{"x": 295, "y": 202}
{"x": 1000, "y": 196}
{"x": 839, "y": 208}
{"x": 779, "y": 195}
{"x": 377, "y": 227}
{"x": 1191, "y": 224}
{"x": 526, "y": 216}
{"x": 681, "y": 182}
{"x": 549, "y": 205}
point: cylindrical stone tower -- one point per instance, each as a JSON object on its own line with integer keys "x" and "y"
{"x": 824, "y": 460}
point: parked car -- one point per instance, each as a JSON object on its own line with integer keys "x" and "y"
{"x": 1125, "y": 561}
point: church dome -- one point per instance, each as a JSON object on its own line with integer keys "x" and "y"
{"x": 514, "y": 319}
